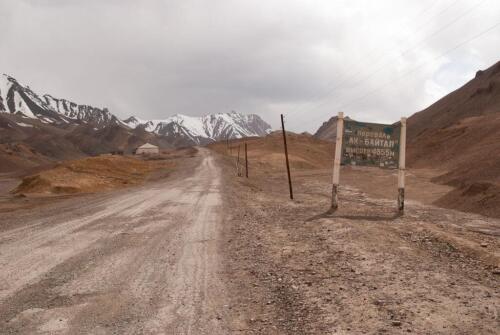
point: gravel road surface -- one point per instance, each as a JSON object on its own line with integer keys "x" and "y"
{"x": 138, "y": 261}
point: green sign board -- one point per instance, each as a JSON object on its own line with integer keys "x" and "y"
{"x": 370, "y": 144}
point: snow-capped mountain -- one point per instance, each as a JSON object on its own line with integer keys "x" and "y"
{"x": 21, "y": 100}
{"x": 87, "y": 114}
{"x": 204, "y": 129}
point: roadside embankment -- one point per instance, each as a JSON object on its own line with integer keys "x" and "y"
{"x": 93, "y": 174}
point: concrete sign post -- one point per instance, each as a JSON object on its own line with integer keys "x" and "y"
{"x": 246, "y": 160}
{"x": 402, "y": 165}
{"x": 336, "y": 162}
{"x": 370, "y": 144}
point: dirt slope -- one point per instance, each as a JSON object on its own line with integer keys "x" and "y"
{"x": 328, "y": 130}
{"x": 91, "y": 174}
{"x": 266, "y": 153}
{"x": 461, "y": 134}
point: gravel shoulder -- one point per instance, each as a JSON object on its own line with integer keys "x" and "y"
{"x": 294, "y": 269}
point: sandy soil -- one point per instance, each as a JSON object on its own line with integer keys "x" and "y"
{"x": 7, "y": 183}
{"x": 92, "y": 174}
{"x": 139, "y": 261}
{"x": 45, "y": 185}
{"x": 294, "y": 269}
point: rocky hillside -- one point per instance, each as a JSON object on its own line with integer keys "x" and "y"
{"x": 22, "y": 101}
{"x": 461, "y": 134}
{"x": 328, "y": 130}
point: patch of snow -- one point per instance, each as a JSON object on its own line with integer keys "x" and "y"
{"x": 194, "y": 125}
{"x": 22, "y": 124}
{"x": 46, "y": 120}
{"x": 22, "y": 107}
{"x": 5, "y": 85}
{"x": 152, "y": 125}
{"x": 133, "y": 122}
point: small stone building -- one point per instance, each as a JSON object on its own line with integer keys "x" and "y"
{"x": 147, "y": 149}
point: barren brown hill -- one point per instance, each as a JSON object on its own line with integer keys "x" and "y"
{"x": 91, "y": 174}
{"x": 26, "y": 143}
{"x": 266, "y": 153}
{"x": 461, "y": 134}
{"x": 328, "y": 130}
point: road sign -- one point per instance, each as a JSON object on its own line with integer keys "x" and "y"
{"x": 371, "y": 144}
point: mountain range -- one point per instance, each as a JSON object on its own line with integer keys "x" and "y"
{"x": 21, "y": 100}
{"x": 204, "y": 129}
{"x": 38, "y": 128}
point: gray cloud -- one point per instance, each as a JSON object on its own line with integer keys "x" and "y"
{"x": 307, "y": 59}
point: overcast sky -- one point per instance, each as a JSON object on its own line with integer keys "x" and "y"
{"x": 374, "y": 60}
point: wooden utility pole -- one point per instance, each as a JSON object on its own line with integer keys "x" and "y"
{"x": 238, "y": 163}
{"x": 336, "y": 161}
{"x": 402, "y": 165}
{"x": 286, "y": 156}
{"x": 246, "y": 160}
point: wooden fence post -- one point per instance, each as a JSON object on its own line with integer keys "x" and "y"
{"x": 246, "y": 160}
{"x": 238, "y": 169}
{"x": 286, "y": 157}
{"x": 336, "y": 161}
{"x": 402, "y": 166}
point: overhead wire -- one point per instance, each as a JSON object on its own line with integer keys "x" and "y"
{"x": 377, "y": 70}
{"x": 404, "y": 74}
{"x": 359, "y": 71}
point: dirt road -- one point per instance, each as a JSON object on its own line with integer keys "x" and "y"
{"x": 139, "y": 261}
{"x": 206, "y": 252}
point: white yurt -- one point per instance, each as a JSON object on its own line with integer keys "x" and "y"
{"x": 147, "y": 149}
